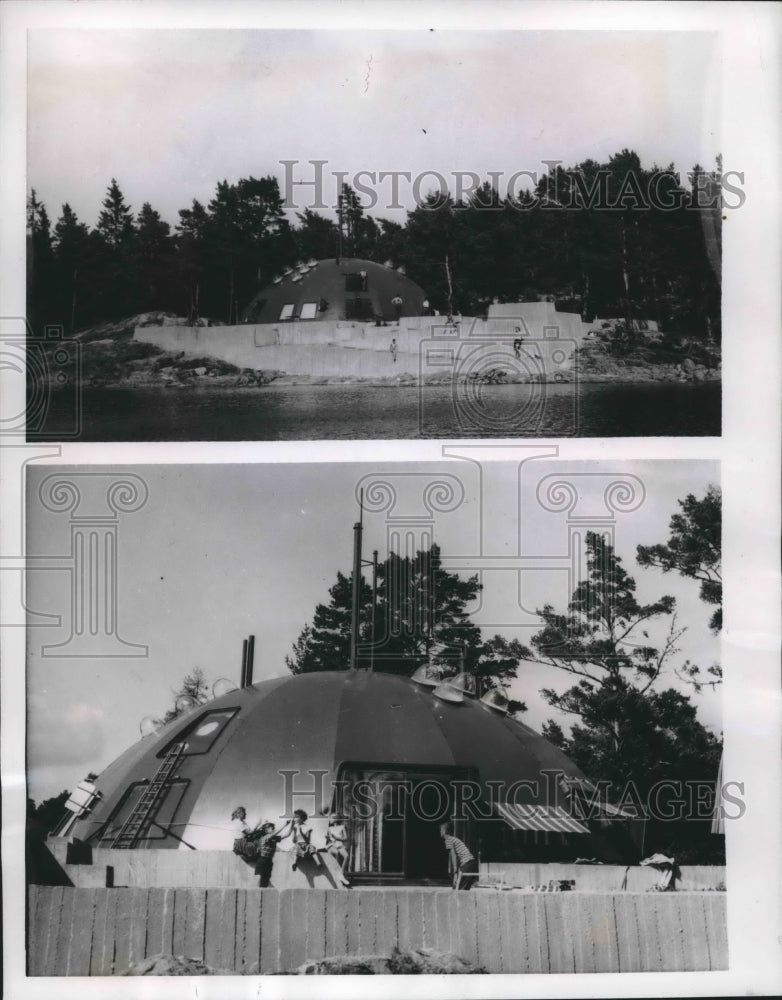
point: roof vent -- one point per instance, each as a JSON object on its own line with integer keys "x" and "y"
{"x": 222, "y": 687}
{"x": 497, "y": 699}
{"x": 445, "y": 692}
{"x": 185, "y": 703}
{"x": 148, "y": 725}
{"x": 463, "y": 682}
{"x": 428, "y": 675}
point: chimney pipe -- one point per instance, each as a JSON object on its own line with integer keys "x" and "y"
{"x": 244, "y": 664}
{"x": 248, "y": 674}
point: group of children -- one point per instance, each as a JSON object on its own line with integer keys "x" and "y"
{"x": 263, "y": 841}
{"x": 259, "y": 845}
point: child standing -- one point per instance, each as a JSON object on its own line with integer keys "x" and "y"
{"x": 462, "y": 862}
{"x": 266, "y": 846}
{"x": 337, "y": 844}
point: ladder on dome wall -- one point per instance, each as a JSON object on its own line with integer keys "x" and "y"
{"x": 151, "y": 798}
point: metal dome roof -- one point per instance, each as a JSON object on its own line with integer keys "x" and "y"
{"x": 325, "y": 290}
{"x": 239, "y": 744}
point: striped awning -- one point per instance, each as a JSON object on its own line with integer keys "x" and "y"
{"x": 547, "y": 818}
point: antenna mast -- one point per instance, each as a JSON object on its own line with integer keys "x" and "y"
{"x": 358, "y": 529}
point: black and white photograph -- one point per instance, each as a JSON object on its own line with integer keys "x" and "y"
{"x": 278, "y": 235}
{"x": 461, "y": 717}
{"x": 390, "y": 439}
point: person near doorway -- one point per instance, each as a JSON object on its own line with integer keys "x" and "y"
{"x": 463, "y": 865}
{"x": 396, "y": 302}
{"x": 337, "y": 844}
{"x": 393, "y": 349}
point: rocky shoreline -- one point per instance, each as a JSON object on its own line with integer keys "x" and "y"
{"x": 205, "y": 376}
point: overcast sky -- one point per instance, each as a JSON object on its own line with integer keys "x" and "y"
{"x": 221, "y": 551}
{"x": 170, "y": 113}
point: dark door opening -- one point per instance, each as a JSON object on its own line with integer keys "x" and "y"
{"x": 426, "y": 857}
{"x": 398, "y": 840}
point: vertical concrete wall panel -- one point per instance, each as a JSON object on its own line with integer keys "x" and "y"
{"x": 270, "y": 923}
{"x": 337, "y": 922}
{"x": 104, "y": 934}
{"x": 716, "y": 926}
{"x": 287, "y": 947}
{"x": 316, "y": 923}
{"x": 195, "y": 924}
{"x": 352, "y": 924}
{"x": 429, "y": 905}
{"x": 489, "y": 936}
{"x": 63, "y": 933}
{"x": 444, "y": 937}
{"x": 80, "y": 940}
{"x": 511, "y": 959}
{"x": 220, "y": 928}
{"x": 248, "y": 948}
{"x": 415, "y": 918}
{"x": 531, "y": 915}
{"x": 389, "y": 938}
{"x": 628, "y": 933}
{"x": 560, "y": 933}
{"x": 467, "y": 924}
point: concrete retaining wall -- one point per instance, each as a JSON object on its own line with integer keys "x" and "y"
{"x": 196, "y": 869}
{"x": 424, "y": 346}
{"x": 101, "y": 932}
{"x": 223, "y": 869}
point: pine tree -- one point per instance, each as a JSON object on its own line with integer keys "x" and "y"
{"x": 115, "y": 222}
{"x": 154, "y": 259}
{"x": 419, "y": 617}
{"x": 626, "y": 730}
{"x": 72, "y": 268}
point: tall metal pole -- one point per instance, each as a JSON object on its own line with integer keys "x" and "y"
{"x": 358, "y": 528}
{"x": 450, "y": 289}
{"x": 243, "y": 680}
{"x": 374, "y": 603}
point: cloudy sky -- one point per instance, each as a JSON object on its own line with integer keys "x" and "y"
{"x": 221, "y": 551}
{"x": 171, "y": 113}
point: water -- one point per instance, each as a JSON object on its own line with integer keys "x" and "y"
{"x": 309, "y": 412}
